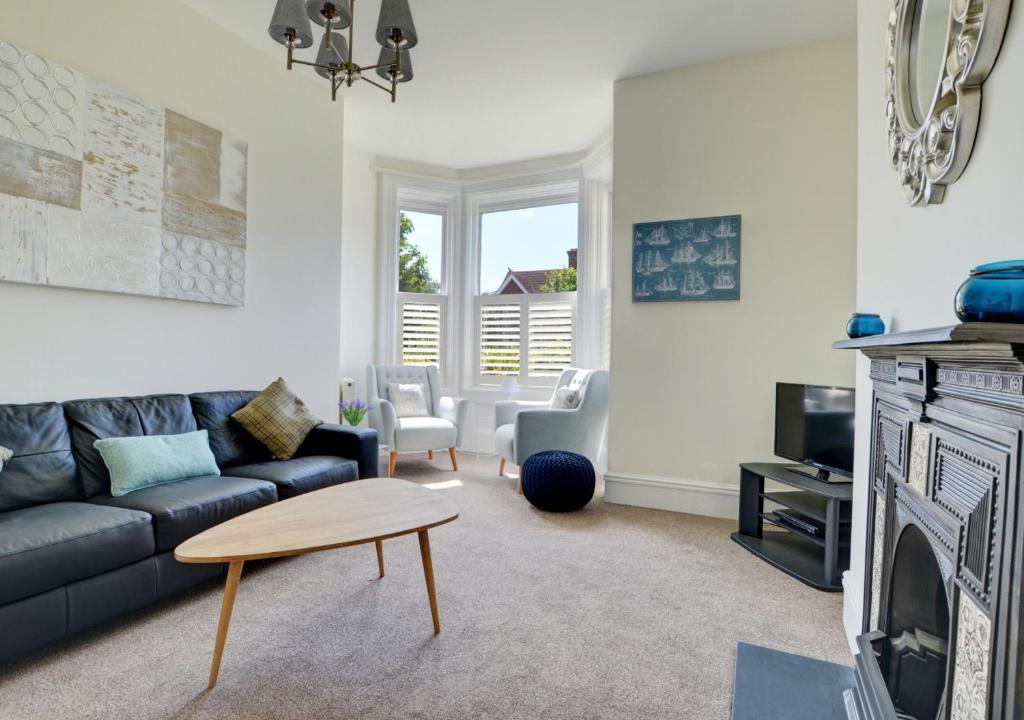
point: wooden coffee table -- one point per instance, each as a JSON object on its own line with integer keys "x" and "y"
{"x": 354, "y": 513}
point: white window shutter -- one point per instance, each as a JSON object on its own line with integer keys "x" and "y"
{"x": 421, "y": 333}
{"x": 550, "y": 346}
{"x": 500, "y": 339}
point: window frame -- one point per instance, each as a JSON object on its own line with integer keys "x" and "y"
{"x": 520, "y": 195}
{"x": 399, "y": 195}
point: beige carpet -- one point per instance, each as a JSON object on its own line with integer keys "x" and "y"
{"x": 612, "y": 612}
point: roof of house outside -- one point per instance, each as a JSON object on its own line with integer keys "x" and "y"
{"x": 523, "y": 281}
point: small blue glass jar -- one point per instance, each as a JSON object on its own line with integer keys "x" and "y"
{"x": 864, "y": 325}
{"x": 993, "y": 293}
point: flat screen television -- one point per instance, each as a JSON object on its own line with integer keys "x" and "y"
{"x": 814, "y": 425}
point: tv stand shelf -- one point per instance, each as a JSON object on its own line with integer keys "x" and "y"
{"x": 816, "y": 561}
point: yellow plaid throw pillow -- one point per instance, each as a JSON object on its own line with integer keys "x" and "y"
{"x": 277, "y": 419}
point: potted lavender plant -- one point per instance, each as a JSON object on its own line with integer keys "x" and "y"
{"x": 354, "y": 411}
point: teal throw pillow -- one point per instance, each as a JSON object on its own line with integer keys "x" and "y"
{"x": 141, "y": 462}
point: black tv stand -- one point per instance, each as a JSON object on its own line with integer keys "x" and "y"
{"x": 814, "y": 560}
{"x": 821, "y": 475}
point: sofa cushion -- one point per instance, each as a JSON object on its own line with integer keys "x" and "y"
{"x": 42, "y": 468}
{"x": 92, "y": 420}
{"x": 301, "y": 475}
{"x": 230, "y": 443}
{"x": 423, "y": 433}
{"x": 278, "y": 419}
{"x": 187, "y": 507}
{"x": 140, "y": 462}
{"x": 50, "y": 545}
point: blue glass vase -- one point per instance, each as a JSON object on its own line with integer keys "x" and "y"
{"x": 864, "y": 325}
{"x": 993, "y": 293}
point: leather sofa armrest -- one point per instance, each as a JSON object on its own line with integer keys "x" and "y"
{"x": 353, "y": 443}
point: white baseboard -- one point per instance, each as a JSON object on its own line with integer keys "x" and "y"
{"x": 851, "y": 615}
{"x": 662, "y": 493}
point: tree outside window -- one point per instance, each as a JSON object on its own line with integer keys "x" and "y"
{"x": 419, "y": 252}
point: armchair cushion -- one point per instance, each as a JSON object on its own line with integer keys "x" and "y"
{"x": 565, "y": 399}
{"x": 409, "y": 399}
{"x": 424, "y": 433}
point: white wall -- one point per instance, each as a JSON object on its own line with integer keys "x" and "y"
{"x": 360, "y": 266}
{"x": 61, "y": 344}
{"x": 772, "y": 137}
{"x": 910, "y": 261}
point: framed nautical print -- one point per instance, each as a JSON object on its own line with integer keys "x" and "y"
{"x": 696, "y": 259}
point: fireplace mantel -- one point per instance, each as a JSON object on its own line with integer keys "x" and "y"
{"x": 976, "y": 332}
{"x": 946, "y": 427}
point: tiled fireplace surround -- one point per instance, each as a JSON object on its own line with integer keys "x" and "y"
{"x": 942, "y": 637}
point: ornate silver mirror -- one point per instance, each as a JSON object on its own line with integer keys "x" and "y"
{"x": 940, "y": 52}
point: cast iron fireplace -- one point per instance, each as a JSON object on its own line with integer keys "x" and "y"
{"x": 944, "y": 558}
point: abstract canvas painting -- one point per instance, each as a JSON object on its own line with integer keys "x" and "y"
{"x": 695, "y": 259}
{"x": 104, "y": 191}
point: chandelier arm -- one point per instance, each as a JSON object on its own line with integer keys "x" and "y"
{"x": 376, "y": 84}
{"x": 313, "y": 64}
{"x": 378, "y": 65}
{"x": 389, "y": 91}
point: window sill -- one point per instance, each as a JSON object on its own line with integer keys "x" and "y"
{"x": 489, "y": 393}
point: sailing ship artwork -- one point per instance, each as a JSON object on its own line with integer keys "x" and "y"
{"x": 679, "y": 260}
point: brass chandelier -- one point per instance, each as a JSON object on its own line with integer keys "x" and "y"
{"x": 396, "y": 34}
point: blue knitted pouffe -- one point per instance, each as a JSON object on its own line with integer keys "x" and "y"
{"x": 558, "y": 481}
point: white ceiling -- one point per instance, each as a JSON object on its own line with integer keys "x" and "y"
{"x": 500, "y": 81}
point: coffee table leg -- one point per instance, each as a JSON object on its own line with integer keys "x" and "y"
{"x": 380, "y": 557}
{"x": 428, "y": 572}
{"x": 227, "y": 605}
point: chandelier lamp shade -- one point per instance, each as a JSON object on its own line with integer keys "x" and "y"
{"x": 292, "y": 26}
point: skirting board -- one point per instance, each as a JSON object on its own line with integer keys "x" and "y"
{"x": 661, "y": 493}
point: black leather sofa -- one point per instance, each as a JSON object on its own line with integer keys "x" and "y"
{"x": 72, "y": 556}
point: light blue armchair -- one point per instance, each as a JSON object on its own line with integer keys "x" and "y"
{"x": 441, "y": 429}
{"x": 525, "y": 428}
